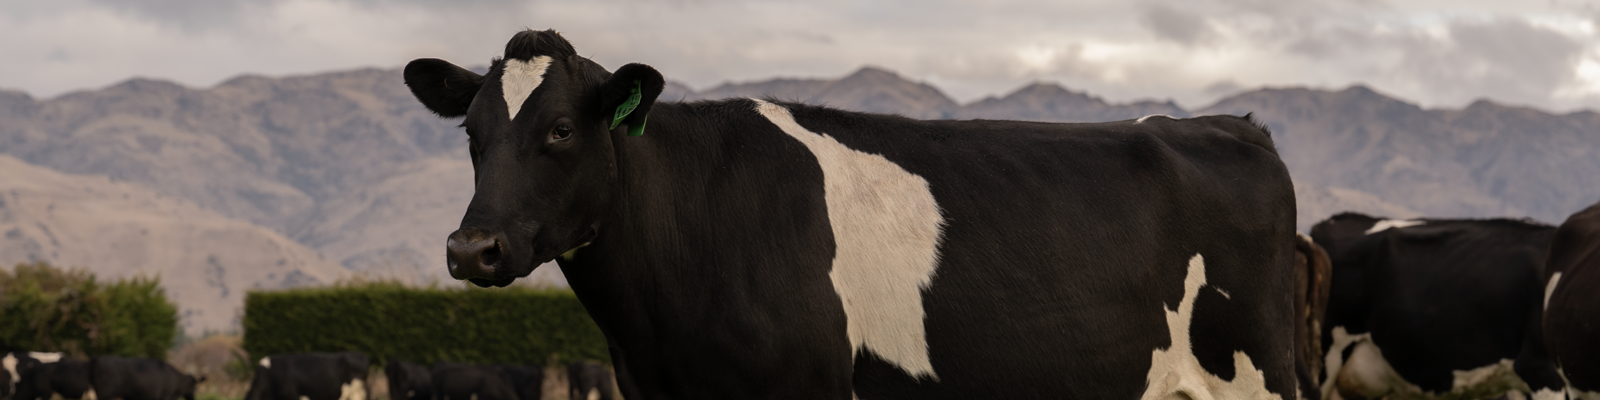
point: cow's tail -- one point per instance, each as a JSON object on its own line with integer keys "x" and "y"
{"x": 1313, "y": 276}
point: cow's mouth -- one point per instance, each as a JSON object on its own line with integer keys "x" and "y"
{"x": 485, "y": 282}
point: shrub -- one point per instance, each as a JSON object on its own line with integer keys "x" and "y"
{"x": 45, "y": 308}
{"x": 386, "y": 320}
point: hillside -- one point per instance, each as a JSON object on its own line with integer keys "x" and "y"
{"x": 117, "y": 229}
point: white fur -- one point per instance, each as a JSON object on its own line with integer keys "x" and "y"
{"x": 1333, "y": 362}
{"x": 45, "y": 357}
{"x": 89, "y": 395}
{"x": 1550, "y": 288}
{"x": 1142, "y": 119}
{"x": 10, "y": 364}
{"x": 519, "y": 79}
{"x": 266, "y": 362}
{"x": 594, "y": 394}
{"x": 355, "y": 389}
{"x": 1393, "y": 223}
{"x": 886, "y": 230}
{"x": 1175, "y": 373}
{"x": 1547, "y": 394}
{"x": 1572, "y": 392}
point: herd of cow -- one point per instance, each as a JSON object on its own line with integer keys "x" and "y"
{"x": 306, "y": 376}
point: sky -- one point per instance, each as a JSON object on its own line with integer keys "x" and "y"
{"x": 1439, "y": 54}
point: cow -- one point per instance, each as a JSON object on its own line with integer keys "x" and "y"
{"x": 750, "y": 248}
{"x": 587, "y": 380}
{"x": 526, "y": 380}
{"x": 408, "y": 381}
{"x": 68, "y": 377}
{"x": 13, "y": 362}
{"x": 453, "y": 381}
{"x": 118, "y": 378}
{"x": 1311, "y": 285}
{"x": 310, "y": 376}
{"x": 1435, "y": 308}
{"x": 1572, "y": 305}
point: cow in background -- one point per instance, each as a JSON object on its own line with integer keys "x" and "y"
{"x": 118, "y": 378}
{"x": 453, "y": 381}
{"x": 589, "y": 380}
{"x": 1435, "y": 308}
{"x": 526, "y": 380}
{"x": 310, "y": 376}
{"x": 13, "y": 362}
{"x": 1313, "y": 273}
{"x": 1572, "y": 303}
{"x": 68, "y": 377}
{"x": 408, "y": 380}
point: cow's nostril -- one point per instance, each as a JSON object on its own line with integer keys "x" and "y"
{"x": 491, "y": 255}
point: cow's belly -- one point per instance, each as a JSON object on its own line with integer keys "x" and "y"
{"x": 1367, "y": 375}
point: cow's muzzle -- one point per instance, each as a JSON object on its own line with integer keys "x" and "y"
{"x": 476, "y": 256}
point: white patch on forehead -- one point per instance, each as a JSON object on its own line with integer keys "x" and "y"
{"x": 45, "y": 357}
{"x": 519, "y": 79}
{"x": 1142, "y": 119}
{"x": 1550, "y": 288}
{"x": 266, "y": 362}
{"x": 1176, "y": 373}
{"x": 1393, "y": 223}
{"x": 886, "y": 231}
{"x": 353, "y": 390}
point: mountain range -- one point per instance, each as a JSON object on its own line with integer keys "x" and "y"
{"x": 263, "y": 182}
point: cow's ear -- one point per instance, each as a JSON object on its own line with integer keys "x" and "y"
{"x": 626, "y": 98}
{"x": 443, "y": 87}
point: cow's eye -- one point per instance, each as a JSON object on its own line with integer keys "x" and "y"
{"x": 562, "y": 132}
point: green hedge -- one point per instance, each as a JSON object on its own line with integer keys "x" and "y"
{"x": 509, "y": 325}
{"x": 44, "y": 308}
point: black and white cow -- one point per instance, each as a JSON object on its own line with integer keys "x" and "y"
{"x": 68, "y": 377}
{"x": 13, "y": 362}
{"x": 408, "y": 380}
{"x": 1572, "y": 303}
{"x": 1435, "y": 308}
{"x": 118, "y": 378}
{"x": 751, "y": 248}
{"x": 452, "y": 381}
{"x": 588, "y": 380}
{"x": 310, "y": 376}
{"x": 526, "y": 380}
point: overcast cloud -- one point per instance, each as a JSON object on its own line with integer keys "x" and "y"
{"x": 1438, "y": 53}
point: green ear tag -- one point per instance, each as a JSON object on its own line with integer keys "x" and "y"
{"x": 627, "y": 108}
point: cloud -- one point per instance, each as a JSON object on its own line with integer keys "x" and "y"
{"x": 1439, "y": 53}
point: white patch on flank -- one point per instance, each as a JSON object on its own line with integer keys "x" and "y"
{"x": 1175, "y": 373}
{"x": 886, "y": 232}
{"x": 353, "y": 390}
{"x": 1333, "y": 362}
{"x": 266, "y": 362}
{"x": 1141, "y": 119}
{"x": 45, "y": 357}
{"x": 1368, "y": 374}
{"x": 1550, "y": 288}
{"x": 519, "y": 79}
{"x": 1393, "y": 223}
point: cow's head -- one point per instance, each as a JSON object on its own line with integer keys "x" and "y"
{"x": 543, "y": 125}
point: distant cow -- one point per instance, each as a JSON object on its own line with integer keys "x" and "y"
{"x": 1313, "y": 273}
{"x": 453, "y": 381}
{"x": 310, "y": 376}
{"x": 588, "y": 380}
{"x": 68, "y": 377}
{"x": 1572, "y": 303}
{"x": 1435, "y": 308}
{"x": 117, "y": 378}
{"x": 408, "y": 381}
{"x": 526, "y": 380}
{"x": 15, "y": 362}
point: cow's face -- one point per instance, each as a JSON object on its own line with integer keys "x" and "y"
{"x": 543, "y": 126}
